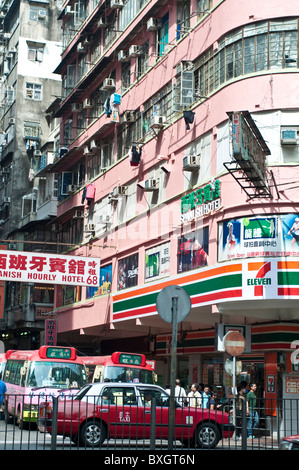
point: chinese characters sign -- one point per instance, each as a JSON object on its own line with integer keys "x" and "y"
{"x": 46, "y": 268}
{"x": 50, "y": 332}
{"x": 270, "y": 236}
{"x": 200, "y": 202}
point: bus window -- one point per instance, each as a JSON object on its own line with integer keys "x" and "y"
{"x": 128, "y": 374}
{"x": 57, "y": 375}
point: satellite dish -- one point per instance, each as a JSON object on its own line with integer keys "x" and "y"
{"x": 165, "y": 303}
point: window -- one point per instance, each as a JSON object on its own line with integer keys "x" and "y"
{"x": 118, "y": 396}
{"x": 267, "y": 45}
{"x": 162, "y": 399}
{"x": 183, "y": 17}
{"x": 31, "y": 129}
{"x": 94, "y": 165}
{"x": 142, "y": 59}
{"x": 125, "y": 76}
{"x": 33, "y": 91}
{"x": 37, "y": 13}
{"x": 203, "y": 6}
{"x": 35, "y": 53}
{"x": 163, "y": 35}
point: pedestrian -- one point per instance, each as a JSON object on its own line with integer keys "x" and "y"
{"x": 3, "y": 391}
{"x": 251, "y": 410}
{"x": 205, "y": 396}
{"x": 194, "y": 397}
{"x": 211, "y": 403}
{"x": 240, "y": 402}
{"x": 179, "y": 392}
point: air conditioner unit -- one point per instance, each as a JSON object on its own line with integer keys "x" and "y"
{"x": 87, "y": 103}
{"x": 86, "y": 150}
{"x": 108, "y": 83}
{"x": 153, "y": 24}
{"x": 68, "y": 10}
{"x": 37, "y": 153}
{"x": 93, "y": 145}
{"x": 191, "y": 162}
{"x": 289, "y": 137}
{"x": 42, "y": 13}
{"x": 116, "y": 3}
{"x": 184, "y": 66}
{"x": 76, "y": 107}
{"x": 158, "y": 122}
{"x": 11, "y": 121}
{"x": 122, "y": 56}
{"x": 90, "y": 228}
{"x": 12, "y": 246}
{"x": 70, "y": 188}
{"x": 119, "y": 191}
{"x": 105, "y": 219}
{"x": 81, "y": 47}
{"x": 151, "y": 185}
{"x": 6, "y": 200}
{"x": 128, "y": 116}
{"x": 134, "y": 51}
{"x": 78, "y": 214}
{"x": 102, "y": 23}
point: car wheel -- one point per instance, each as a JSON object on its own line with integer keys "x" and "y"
{"x": 207, "y": 435}
{"x": 92, "y": 434}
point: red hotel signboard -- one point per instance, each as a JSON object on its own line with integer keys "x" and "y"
{"x": 22, "y": 266}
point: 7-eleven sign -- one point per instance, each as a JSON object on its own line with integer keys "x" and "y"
{"x": 260, "y": 280}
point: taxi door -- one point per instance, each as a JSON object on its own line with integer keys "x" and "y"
{"x": 161, "y": 418}
{"x": 120, "y": 411}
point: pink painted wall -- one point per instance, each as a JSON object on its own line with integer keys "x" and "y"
{"x": 255, "y": 94}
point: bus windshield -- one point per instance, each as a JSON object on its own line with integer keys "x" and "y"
{"x": 56, "y": 375}
{"x": 128, "y": 374}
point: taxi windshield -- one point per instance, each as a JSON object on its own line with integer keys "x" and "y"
{"x": 56, "y": 375}
{"x": 128, "y": 374}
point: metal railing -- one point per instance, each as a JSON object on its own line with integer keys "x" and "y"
{"x": 68, "y": 424}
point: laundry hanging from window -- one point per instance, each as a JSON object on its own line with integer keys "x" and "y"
{"x": 189, "y": 118}
{"x": 135, "y": 155}
{"x": 88, "y": 193}
{"x": 111, "y": 107}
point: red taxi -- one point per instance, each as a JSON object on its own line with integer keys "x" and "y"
{"x": 123, "y": 410}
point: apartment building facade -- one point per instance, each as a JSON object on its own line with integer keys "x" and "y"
{"x": 179, "y": 165}
{"x": 30, "y": 48}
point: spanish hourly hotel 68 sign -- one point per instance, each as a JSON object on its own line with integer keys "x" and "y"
{"x": 47, "y": 268}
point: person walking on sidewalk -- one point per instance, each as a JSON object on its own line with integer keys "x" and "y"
{"x": 253, "y": 419}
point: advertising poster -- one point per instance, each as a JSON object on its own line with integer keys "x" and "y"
{"x": 127, "y": 272}
{"x": 105, "y": 283}
{"x": 193, "y": 250}
{"x": 259, "y": 236}
{"x": 157, "y": 262}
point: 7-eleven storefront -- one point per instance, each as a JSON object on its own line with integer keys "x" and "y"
{"x": 258, "y": 297}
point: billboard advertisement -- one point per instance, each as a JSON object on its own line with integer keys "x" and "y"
{"x": 105, "y": 283}
{"x": 157, "y": 262}
{"x": 127, "y": 272}
{"x": 193, "y": 250}
{"x": 259, "y": 236}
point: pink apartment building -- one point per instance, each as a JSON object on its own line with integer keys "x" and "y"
{"x": 179, "y": 165}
